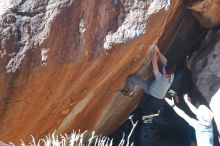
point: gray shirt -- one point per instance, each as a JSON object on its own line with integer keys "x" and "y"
{"x": 160, "y": 85}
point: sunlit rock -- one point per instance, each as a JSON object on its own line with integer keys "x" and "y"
{"x": 54, "y": 70}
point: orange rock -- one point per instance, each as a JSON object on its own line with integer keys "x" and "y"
{"x": 207, "y": 12}
{"x": 65, "y": 66}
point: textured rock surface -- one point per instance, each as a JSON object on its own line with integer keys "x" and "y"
{"x": 207, "y": 12}
{"x": 205, "y": 68}
{"x": 54, "y": 72}
{"x": 181, "y": 36}
{"x": 205, "y": 64}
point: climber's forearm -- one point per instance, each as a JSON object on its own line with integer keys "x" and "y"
{"x": 154, "y": 64}
{"x": 162, "y": 57}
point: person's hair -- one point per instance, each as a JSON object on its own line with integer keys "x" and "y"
{"x": 170, "y": 67}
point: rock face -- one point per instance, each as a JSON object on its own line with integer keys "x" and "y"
{"x": 181, "y": 37}
{"x": 57, "y": 70}
{"x": 205, "y": 68}
{"x": 204, "y": 64}
{"x": 207, "y": 12}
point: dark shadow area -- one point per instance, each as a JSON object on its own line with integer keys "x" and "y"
{"x": 166, "y": 129}
{"x": 179, "y": 42}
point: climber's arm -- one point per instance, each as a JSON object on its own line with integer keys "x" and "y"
{"x": 154, "y": 63}
{"x": 162, "y": 57}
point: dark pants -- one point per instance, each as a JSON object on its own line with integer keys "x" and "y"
{"x": 152, "y": 105}
{"x": 135, "y": 80}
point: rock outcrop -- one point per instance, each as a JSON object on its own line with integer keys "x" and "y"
{"x": 207, "y": 12}
{"x": 205, "y": 67}
{"x": 181, "y": 37}
{"x": 204, "y": 64}
{"x": 63, "y": 62}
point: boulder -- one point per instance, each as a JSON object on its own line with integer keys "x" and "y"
{"x": 62, "y": 63}
{"x": 206, "y": 11}
{"x": 205, "y": 69}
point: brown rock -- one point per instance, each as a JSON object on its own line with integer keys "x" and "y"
{"x": 207, "y": 12}
{"x": 52, "y": 59}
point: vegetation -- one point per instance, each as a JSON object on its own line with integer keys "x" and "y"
{"x": 77, "y": 138}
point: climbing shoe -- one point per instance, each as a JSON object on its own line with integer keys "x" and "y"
{"x": 127, "y": 93}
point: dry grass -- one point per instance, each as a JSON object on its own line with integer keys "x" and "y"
{"x": 77, "y": 138}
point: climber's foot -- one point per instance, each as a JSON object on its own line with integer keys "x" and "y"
{"x": 127, "y": 92}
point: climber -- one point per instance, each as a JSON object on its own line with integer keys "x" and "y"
{"x": 157, "y": 87}
{"x": 203, "y": 123}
